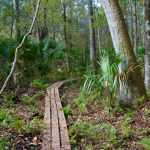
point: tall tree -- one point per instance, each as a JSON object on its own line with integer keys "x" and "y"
{"x": 16, "y": 35}
{"x": 133, "y": 86}
{"x": 135, "y": 26}
{"x": 65, "y": 34}
{"x": 16, "y": 18}
{"x": 147, "y": 44}
{"x": 91, "y": 33}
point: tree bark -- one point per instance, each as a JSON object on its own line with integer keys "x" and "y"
{"x": 11, "y": 28}
{"x": 135, "y": 27}
{"x": 16, "y": 35}
{"x": 43, "y": 31}
{"x": 132, "y": 23}
{"x": 134, "y": 85}
{"x": 65, "y": 35}
{"x": 147, "y": 44}
{"x": 33, "y": 12}
{"x": 16, "y": 18}
{"x": 91, "y": 34}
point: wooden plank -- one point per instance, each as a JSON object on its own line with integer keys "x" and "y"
{"x": 55, "y": 123}
{"x": 55, "y": 135}
{"x": 46, "y": 144}
{"x": 65, "y": 81}
{"x": 53, "y": 85}
{"x": 62, "y": 124}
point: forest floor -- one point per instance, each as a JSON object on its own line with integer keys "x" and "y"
{"x": 92, "y": 127}
{"x": 21, "y": 119}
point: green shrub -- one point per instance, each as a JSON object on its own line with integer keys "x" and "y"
{"x": 29, "y": 100}
{"x": 4, "y": 143}
{"x": 67, "y": 110}
{"x": 147, "y": 111}
{"x": 8, "y": 120}
{"x": 37, "y": 83}
{"x": 8, "y": 98}
{"x": 35, "y": 126}
{"x": 3, "y": 114}
{"x": 6, "y": 117}
{"x": 18, "y": 125}
{"x": 126, "y": 129}
{"x": 107, "y": 78}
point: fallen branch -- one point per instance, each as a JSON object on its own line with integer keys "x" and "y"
{"x": 17, "y": 49}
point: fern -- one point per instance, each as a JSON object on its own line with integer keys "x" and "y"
{"x": 145, "y": 142}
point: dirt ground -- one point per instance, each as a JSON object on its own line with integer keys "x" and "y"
{"x": 25, "y": 112}
{"x": 129, "y": 127}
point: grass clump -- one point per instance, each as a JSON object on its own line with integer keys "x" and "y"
{"x": 39, "y": 84}
{"x": 35, "y": 126}
{"x": 8, "y": 99}
{"x": 145, "y": 143}
{"x": 4, "y": 143}
{"x": 31, "y": 100}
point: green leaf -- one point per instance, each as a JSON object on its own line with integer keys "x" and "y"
{"x": 113, "y": 130}
{"x": 145, "y": 142}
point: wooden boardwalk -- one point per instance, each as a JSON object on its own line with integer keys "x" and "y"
{"x": 55, "y": 135}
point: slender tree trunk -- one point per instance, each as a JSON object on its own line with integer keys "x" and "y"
{"x": 16, "y": 35}
{"x": 98, "y": 36}
{"x": 134, "y": 84}
{"x": 16, "y": 18}
{"x": 11, "y": 28}
{"x": 65, "y": 35}
{"x": 132, "y": 23}
{"x": 91, "y": 34}
{"x": 20, "y": 45}
{"x": 83, "y": 51}
{"x": 33, "y": 11}
{"x": 43, "y": 30}
{"x": 135, "y": 27}
{"x": 147, "y": 44}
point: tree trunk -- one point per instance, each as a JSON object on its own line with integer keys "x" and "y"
{"x": 65, "y": 36}
{"x": 16, "y": 35}
{"x": 43, "y": 30}
{"x": 134, "y": 84}
{"x": 91, "y": 34}
{"x": 83, "y": 51}
{"x": 33, "y": 11}
{"x": 135, "y": 27}
{"x": 132, "y": 23}
{"x": 16, "y": 18}
{"x": 18, "y": 48}
{"x": 147, "y": 44}
{"x": 11, "y": 29}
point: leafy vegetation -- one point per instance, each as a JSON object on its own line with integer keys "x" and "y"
{"x": 108, "y": 107}
{"x": 145, "y": 143}
{"x": 91, "y": 122}
{"x": 4, "y": 143}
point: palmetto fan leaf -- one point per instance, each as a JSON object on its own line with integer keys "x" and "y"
{"x": 107, "y": 79}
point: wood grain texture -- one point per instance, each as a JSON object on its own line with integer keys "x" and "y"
{"x": 55, "y": 123}
{"x": 62, "y": 124}
{"x": 46, "y": 144}
{"x": 55, "y": 134}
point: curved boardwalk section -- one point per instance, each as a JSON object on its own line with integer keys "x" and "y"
{"x": 55, "y": 135}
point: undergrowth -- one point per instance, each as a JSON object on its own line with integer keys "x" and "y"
{"x": 92, "y": 125}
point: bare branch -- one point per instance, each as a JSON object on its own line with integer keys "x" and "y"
{"x": 17, "y": 49}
